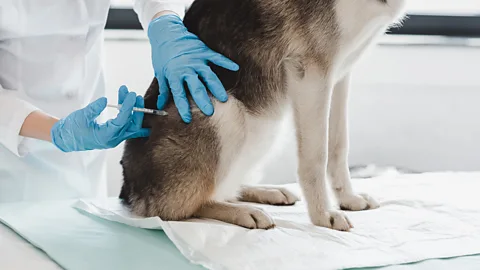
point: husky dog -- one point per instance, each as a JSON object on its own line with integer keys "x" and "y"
{"x": 295, "y": 56}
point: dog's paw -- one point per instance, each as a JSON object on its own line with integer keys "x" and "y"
{"x": 332, "y": 219}
{"x": 268, "y": 195}
{"x": 279, "y": 196}
{"x": 253, "y": 218}
{"x": 354, "y": 202}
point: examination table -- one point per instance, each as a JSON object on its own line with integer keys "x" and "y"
{"x": 54, "y": 235}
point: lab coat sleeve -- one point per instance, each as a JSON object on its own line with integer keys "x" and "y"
{"x": 13, "y": 112}
{"x": 146, "y": 9}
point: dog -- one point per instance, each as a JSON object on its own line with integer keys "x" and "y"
{"x": 296, "y": 57}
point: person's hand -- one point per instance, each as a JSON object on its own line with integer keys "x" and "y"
{"x": 79, "y": 131}
{"x": 179, "y": 58}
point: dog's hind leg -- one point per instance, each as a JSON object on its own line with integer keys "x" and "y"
{"x": 267, "y": 195}
{"x": 241, "y": 215}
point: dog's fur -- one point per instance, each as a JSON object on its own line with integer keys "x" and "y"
{"x": 293, "y": 54}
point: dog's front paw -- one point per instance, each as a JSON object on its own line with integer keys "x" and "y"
{"x": 332, "y": 219}
{"x": 354, "y": 202}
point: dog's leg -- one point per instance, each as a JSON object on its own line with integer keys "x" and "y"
{"x": 338, "y": 152}
{"x": 311, "y": 97}
{"x": 241, "y": 215}
{"x": 267, "y": 195}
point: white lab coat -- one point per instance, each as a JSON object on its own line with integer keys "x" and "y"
{"x": 51, "y": 60}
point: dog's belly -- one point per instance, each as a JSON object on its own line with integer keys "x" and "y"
{"x": 245, "y": 141}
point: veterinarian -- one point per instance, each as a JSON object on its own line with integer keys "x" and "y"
{"x": 52, "y": 86}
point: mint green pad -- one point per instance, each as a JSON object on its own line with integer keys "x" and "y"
{"x": 80, "y": 241}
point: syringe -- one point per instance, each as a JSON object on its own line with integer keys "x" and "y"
{"x": 144, "y": 110}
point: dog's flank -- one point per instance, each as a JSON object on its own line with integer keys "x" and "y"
{"x": 295, "y": 54}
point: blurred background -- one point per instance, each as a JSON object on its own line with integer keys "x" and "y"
{"x": 414, "y": 102}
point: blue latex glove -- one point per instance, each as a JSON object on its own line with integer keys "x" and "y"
{"x": 79, "y": 131}
{"x": 179, "y": 57}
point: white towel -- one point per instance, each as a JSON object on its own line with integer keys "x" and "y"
{"x": 424, "y": 216}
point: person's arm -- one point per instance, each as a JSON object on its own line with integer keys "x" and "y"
{"x": 79, "y": 131}
{"x": 13, "y": 113}
{"x": 38, "y": 125}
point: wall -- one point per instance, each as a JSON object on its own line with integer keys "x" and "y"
{"x": 413, "y": 106}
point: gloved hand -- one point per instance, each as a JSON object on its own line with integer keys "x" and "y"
{"x": 79, "y": 131}
{"x": 179, "y": 57}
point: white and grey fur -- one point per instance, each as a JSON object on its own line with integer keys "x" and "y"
{"x": 296, "y": 57}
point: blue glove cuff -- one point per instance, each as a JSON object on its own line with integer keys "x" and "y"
{"x": 56, "y": 135}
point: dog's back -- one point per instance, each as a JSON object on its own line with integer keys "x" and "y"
{"x": 184, "y": 170}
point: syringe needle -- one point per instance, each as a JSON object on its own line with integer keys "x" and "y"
{"x": 144, "y": 110}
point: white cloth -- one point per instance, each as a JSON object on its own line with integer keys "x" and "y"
{"x": 421, "y": 217}
{"x": 51, "y": 60}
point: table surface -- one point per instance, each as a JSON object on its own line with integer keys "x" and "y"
{"x": 18, "y": 254}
